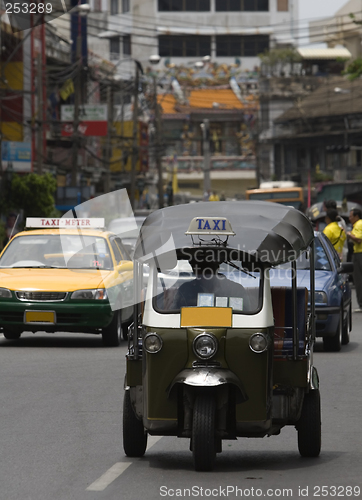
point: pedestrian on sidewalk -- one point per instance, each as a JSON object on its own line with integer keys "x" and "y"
{"x": 334, "y": 232}
{"x": 355, "y": 218}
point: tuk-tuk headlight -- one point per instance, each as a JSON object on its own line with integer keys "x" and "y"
{"x": 205, "y": 345}
{"x": 152, "y": 343}
{"x": 258, "y": 342}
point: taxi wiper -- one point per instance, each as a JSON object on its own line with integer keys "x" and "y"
{"x": 36, "y": 267}
{"x": 239, "y": 268}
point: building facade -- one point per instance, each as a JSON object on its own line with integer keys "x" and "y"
{"x": 344, "y": 28}
{"x": 183, "y": 31}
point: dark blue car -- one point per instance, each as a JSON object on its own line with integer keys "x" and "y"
{"x": 332, "y": 295}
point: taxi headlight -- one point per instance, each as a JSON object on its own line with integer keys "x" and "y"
{"x": 152, "y": 343}
{"x": 96, "y": 294}
{"x": 319, "y": 297}
{"x": 258, "y": 342}
{"x": 205, "y": 345}
{"x": 5, "y": 293}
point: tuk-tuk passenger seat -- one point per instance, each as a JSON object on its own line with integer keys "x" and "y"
{"x": 282, "y": 300}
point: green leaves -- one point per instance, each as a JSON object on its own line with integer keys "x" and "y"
{"x": 354, "y": 69}
{"x": 34, "y": 194}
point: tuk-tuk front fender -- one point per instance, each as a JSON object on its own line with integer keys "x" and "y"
{"x": 313, "y": 378}
{"x": 208, "y": 377}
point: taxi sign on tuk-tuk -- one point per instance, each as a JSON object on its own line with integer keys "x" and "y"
{"x": 210, "y": 225}
{"x": 217, "y": 353}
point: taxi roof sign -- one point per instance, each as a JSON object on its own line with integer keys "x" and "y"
{"x": 210, "y": 225}
{"x": 63, "y": 223}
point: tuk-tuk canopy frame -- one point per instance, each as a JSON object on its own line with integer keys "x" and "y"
{"x": 269, "y": 232}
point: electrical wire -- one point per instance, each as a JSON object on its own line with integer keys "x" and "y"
{"x": 153, "y": 29}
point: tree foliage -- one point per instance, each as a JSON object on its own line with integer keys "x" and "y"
{"x": 34, "y": 194}
{"x": 276, "y": 60}
{"x": 354, "y": 69}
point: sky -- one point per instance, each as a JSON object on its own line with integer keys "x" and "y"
{"x": 314, "y": 9}
{"x": 319, "y": 8}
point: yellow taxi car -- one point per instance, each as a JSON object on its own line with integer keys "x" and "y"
{"x": 68, "y": 275}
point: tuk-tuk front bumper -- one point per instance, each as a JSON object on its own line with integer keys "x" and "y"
{"x": 209, "y": 377}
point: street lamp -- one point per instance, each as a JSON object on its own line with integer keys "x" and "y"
{"x": 155, "y": 59}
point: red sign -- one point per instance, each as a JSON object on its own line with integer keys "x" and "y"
{"x": 98, "y": 129}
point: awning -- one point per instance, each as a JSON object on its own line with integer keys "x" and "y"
{"x": 320, "y": 54}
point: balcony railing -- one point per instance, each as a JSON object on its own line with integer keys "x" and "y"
{"x": 196, "y": 163}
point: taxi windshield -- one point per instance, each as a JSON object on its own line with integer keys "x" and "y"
{"x": 225, "y": 285}
{"x": 321, "y": 261}
{"x": 57, "y": 251}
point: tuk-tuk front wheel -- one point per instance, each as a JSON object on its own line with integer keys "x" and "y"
{"x": 134, "y": 436}
{"x": 309, "y": 425}
{"x": 203, "y": 432}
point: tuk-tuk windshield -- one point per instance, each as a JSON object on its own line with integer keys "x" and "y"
{"x": 213, "y": 285}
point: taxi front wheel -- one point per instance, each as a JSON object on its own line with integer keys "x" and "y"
{"x": 11, "y": 335}
{"x": 334, "y": 343}
{"x": 111, "y": 335}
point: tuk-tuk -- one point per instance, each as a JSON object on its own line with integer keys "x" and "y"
{"x": 215, "y": 352}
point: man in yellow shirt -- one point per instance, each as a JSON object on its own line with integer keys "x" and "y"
{"x": 214, "y": 196}
{"x": 334, "y": 233}
{"x": 355, "y": 218}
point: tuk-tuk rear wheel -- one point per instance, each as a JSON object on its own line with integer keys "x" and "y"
{"x": 134, "y": 436}
{"x": 309, "y": 425}
{"x": 203, "y": 432}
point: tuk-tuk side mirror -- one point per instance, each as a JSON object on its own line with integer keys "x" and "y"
{"x": 345, "y": 267}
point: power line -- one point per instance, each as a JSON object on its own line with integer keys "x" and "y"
{"x": 153, "y": 28}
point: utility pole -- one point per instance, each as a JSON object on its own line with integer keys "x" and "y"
{"x": 207, "y": 159}
{"x": 135, "y": 141}
{"x": 40, "y": 115}
{"x": 107, "y": 184}
{"x": 1, "y": 135}
{"x": 77, "y": 93}
{"x": 158, "y": 146}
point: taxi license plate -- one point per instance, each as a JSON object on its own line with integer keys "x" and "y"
{"x": 40, "y": 317}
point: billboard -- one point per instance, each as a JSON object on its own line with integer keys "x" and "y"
{"x": 16, "y": 155}
{"x": 92, "y": 120}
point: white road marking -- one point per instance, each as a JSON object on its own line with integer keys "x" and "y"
{"x": 117, "y": 469}
{"x": 108, "y": 477}
{"x": 152, "y": 440}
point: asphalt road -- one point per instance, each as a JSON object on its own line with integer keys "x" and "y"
{"x": 61, "y": 436}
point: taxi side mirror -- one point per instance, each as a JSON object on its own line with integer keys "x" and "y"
{"x": 124, "y": 265}
{"x": 345, "y": 267}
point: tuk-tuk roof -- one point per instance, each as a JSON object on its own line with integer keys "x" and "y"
{"x": 269, "y": 232}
